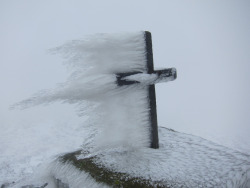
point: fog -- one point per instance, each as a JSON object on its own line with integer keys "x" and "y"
{"x": 206, "y": 41}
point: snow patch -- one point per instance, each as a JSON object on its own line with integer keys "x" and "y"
{"x": 181, "y": 161}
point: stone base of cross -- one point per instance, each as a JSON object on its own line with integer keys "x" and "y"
{"x": 149, "y": 79}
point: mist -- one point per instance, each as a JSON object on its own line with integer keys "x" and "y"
{"x": 206, "y": 41}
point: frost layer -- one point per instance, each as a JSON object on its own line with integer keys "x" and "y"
{"x": 117, "y": 115}
{"x": 181, "y": 161}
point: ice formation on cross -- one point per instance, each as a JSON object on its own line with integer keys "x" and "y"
{"x": 149, "y": 79}
{"x": 110, "y": 72}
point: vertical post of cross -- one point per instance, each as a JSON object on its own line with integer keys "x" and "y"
{"x": 152, "y": 98}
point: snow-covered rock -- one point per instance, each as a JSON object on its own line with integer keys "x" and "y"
{"x": 181, "y": 161}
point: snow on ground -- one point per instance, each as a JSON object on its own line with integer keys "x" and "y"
{"x": 181, "y": 161}
{"x": 27, "y": 142}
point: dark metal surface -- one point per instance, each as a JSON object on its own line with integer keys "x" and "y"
{"x": 121, "y": 81}
{"x": 151, "y": 93}
{"x": 153, "y": 117}
{"x": 149, "y": 50}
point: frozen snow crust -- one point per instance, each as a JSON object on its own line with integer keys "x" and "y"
{"x": 181, "y": 161}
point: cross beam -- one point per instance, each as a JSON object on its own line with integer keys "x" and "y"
{"x": 150, "y": 78}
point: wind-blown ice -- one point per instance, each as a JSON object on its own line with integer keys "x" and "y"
{"x": 119, "y": 115}
{"x": 153, "y": 78}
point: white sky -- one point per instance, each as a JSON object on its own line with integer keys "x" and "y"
{"x": 207, "y": 41}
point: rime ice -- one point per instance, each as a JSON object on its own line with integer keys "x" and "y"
{"x": 119, "y": 115}
{"x": 118, "y": 124}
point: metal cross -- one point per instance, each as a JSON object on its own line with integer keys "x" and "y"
{"x": 149, "y": 78}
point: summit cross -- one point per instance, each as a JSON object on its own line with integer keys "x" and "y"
{"x": 149, "y": 79}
